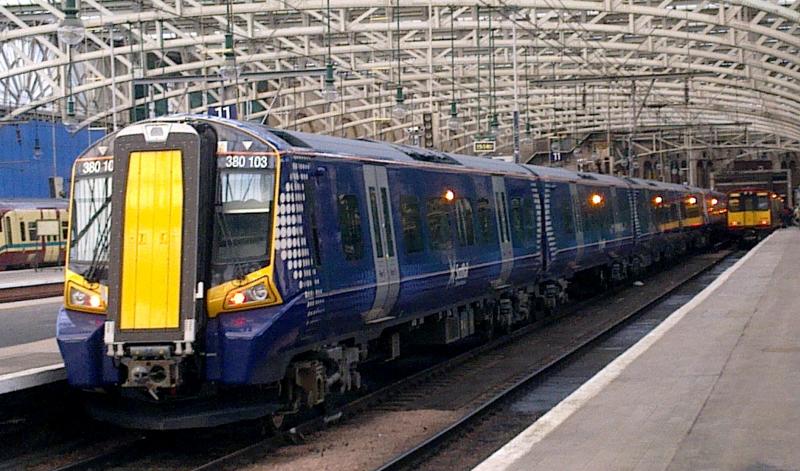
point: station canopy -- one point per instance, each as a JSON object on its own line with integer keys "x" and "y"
{"x": 461, "y": 68}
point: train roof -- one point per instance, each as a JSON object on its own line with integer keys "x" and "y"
{"x": 32, "y": 203}
{"x": 285, "y": 140}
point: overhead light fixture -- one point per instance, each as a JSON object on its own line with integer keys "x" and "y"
{"x": 400, "y": 110}
{"x": 71, "y": 30}
{"x": 454, "y": 123}
{"x": 37, "y": 149}
{"x": 70, "y": 120}
{"x": 229, "y": 70}
{"x": 494, "y": 125}
{"x": 528, "y": 136}
{"x": 329, "y": 92}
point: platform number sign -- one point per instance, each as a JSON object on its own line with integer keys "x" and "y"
{"x": 223, "y": 111}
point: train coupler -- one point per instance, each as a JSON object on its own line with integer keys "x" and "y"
{"x": 151, "y": 367}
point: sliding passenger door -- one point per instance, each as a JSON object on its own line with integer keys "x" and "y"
{"x": 384, "y": 250}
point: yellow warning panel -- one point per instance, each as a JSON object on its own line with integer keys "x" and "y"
{"x": 151, "y": 251}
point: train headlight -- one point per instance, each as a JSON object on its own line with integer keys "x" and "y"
{"x": 596, "y": 199}
{"x": 248, "y": 296}
{"x": 85, "y": 300}
{"x": 658, "y": 200}
{"x": 714, "y": 201}
{"x": 258, "y": 292}
{"x": 691, "y": 200}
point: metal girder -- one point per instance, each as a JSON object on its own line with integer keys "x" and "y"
{"x": 739, "y": 59}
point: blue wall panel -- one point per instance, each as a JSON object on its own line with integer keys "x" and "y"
{"x": 22, "y": 175}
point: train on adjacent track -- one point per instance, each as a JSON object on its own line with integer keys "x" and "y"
{"x": 222, "y": 270}
{"x": 753, "y": 213}
{"x": 32, "y": 232}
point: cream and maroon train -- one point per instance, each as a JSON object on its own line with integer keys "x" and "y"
{"x": 32, "y": 232}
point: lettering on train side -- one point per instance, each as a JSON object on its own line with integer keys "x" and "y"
{"x": 459, "y": 272}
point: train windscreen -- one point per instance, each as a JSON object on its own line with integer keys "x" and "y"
{"x": 91, "y": 218}
{"x": 243, "y": 215}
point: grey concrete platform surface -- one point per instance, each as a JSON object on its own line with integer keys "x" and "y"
{"x": 30, "y": 364}
{"x": 29, "y": 355}
{"x": 43, "y": 276}
{"x": 714, "y": 387}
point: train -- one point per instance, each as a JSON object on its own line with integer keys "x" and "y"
{"x": 220, "y": 271}
{"x": 33, "y": 232}
{"x": 753, "y": 213}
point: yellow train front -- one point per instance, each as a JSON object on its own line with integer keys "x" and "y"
{"x": 753, "y": 213}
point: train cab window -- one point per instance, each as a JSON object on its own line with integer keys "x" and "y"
{"x": 22, "y": 231}
{"x": 464, "y": 222}
{"x": 762, "y": 203}
{"x": 242, "y": 223}
{"x": 412, "y": 224}
{"x": 439, "y": 224}
{"x": 733, "y": 205}
{"x": 484, "y": 213}
{"x": 350, "y": 226}
{"x": 32, "y": 232}
{"x": 8, "y": 231}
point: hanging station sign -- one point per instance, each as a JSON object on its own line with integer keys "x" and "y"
{"x": 484, "y": 146}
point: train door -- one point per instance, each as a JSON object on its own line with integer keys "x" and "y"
{"x": 387, "y": 270}
{"x": 156, "y": 283}
{"x": 503, "y": 232}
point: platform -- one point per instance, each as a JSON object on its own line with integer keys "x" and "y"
{"x": 42, "y": 276}
{"x": 716, "y": 386}
{"x": 29, "y": 365}
{"x": 29, "y": 354}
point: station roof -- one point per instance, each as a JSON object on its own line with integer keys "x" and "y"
{"x": 569, "y": 67}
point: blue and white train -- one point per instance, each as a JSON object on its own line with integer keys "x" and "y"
{"x": 221, "y": 270}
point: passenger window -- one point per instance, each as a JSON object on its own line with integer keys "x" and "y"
{"x": 412, "y": 224}
{"x": 518, "y": 234}
{"x": 32, "y": 232}
{"x": 529, "y": 222}
{"x": 733, "y": 205}
{"x": 350, "y": 226}
{"x": 64, "y": 230}
{"x": 22, "y": 231}
{"x": 484, "y": 211}
{"x": 311, "y": 216}
{"x": 466, "y": 225}
{"x": 376, "y": 223}
{"x": 387, "y": 222}
{"x": 439, "y": 225}
{"x": 566, "y": 216}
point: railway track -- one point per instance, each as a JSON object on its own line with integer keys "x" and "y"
{"x": 449, "y": 386}
{"x": 26, "y": 293}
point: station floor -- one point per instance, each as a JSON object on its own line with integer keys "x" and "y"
{"x": 42, "y": 276}
{"x": 715, "y": 387}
